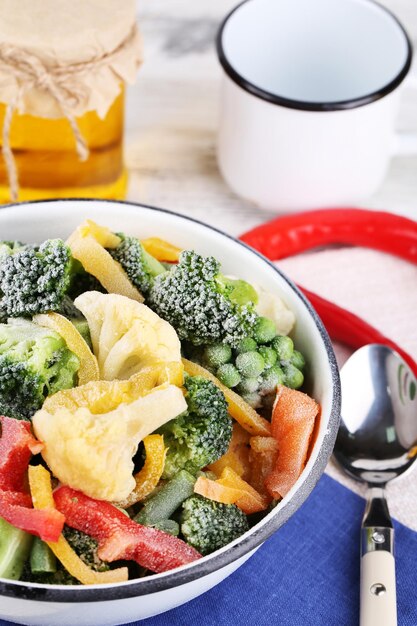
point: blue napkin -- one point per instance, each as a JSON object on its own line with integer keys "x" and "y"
{"x": 307, "y": 574}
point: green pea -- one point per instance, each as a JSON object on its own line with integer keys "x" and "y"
{"x": 253, "y": 399}
{"x": 265, "y": 330}
{"x": 269, "y": 356}
{"x": 298, "y": 360}
{"x": 293, "y": 377}
{"x": 284, "y": 347}
{"x": 270, "y": 378}
{"x": 250, "y": 364}
{"x": 228, "y": 375}
{"x": 248, "y": 385}
{"x": 246, "y": 345}
{"x": 217, "y": 354}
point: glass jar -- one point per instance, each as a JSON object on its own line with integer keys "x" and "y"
{"x": 65, "y": 62}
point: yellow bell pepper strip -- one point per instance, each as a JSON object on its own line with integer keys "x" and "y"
{"x": 106, "y": 395}
{"x": 214, "y": 491}
{"x": 88, "y": 245}
{"x": 244, "y": 414}
{"x": 250, "y": 500}
{"x": 41, "y": 489}
{"x": 88, "y": 369}
{"x": 150, "y": 474}
{"x": 237, "y": 455}
{"x": 120, "y": 537}
{"x": 162, "y": 250}
{"x": 231, "y": 489}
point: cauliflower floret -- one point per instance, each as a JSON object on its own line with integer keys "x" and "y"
{"x": 272, "y": 306}
{"x": 126, "y": 335}
{"x": 93, "y": 452}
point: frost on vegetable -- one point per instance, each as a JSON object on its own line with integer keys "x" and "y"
{"x": 35, "y": 279}
{"x": 196, "y": 300}
{"x": 93, "y": 452}
{"x": 202, "y": 434}
{"x": 208, "y": 525}
{"x": 126, "y": 335}
{"x": 138, "y": 264}
{"x": 35, "y": 362}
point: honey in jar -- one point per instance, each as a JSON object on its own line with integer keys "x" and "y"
{"x": 63, "y": 66}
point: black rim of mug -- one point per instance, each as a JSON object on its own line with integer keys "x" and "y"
{"x": 305, "y": 105}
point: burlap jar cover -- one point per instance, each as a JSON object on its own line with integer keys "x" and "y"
{"x": 62, "y": 58}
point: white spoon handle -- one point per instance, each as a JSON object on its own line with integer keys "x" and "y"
{"x": 378, "y": 591}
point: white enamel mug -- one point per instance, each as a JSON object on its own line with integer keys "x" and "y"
{"x": 309, "y": 100}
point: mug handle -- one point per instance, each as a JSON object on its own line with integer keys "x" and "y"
{"x": 405, "y": 143}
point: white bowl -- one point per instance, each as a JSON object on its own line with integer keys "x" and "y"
{"x": 44, "y": 605}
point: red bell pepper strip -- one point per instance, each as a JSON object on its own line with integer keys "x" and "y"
{"x": 348, "y": 328}
{"x": 119, "y": 537}
{"x": 291, "y": 234}
{"x": 17, "y": 444}
{"x": 14, "y": 508}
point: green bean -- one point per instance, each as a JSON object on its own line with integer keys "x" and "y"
{"x": 163, "y": 504}
{"x": 169, "y": 526}
{"x": 15, "y": 547}
{"x": 42, "y": 559}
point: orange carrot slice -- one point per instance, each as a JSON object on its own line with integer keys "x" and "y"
{"x": 293, "y": 419}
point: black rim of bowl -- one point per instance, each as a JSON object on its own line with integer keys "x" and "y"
{"x": 257, "y": 535}
{"x": 305, "y": 105}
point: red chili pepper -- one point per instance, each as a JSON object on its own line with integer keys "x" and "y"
{"x": 46, "y": 524}
{"x": 17, "y": 444}
{"x": 119, "y": 537}
{"x": 348, "y": 328}
{"x": 291, "y": 234}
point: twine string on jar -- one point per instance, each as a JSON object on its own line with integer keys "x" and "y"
{"x": 60, "y": 82}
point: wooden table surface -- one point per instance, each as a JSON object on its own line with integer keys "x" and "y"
{"x": 172, "y": 114}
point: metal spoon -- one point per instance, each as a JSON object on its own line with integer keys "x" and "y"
{"x": 377, "y": 442}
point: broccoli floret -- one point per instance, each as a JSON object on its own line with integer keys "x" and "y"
{"x": 208, "y": 526}
{"x": 35, "y": 279}
{"x": 202, "y": 434}
{"x": 34, "y": 362}
{"x": 86, "y": 548}
{"x": 198, "y": 301}
{"x": 9, "y": 247}
{"x": 138, "y": 264}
